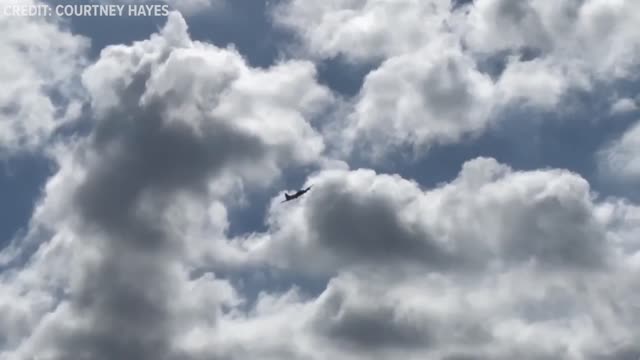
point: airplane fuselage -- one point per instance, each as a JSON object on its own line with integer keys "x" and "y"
{"x": 296, "y": 195}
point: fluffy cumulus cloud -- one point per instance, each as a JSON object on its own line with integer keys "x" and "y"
{"x": 544, "y": 217}
{"x": 41, "y": 61}
{"x": 436, "y": 95}
{"x": 128, "y": 254}
{"x": 496, "y": 264}
{"x": 502, "y": 53}
{"x": 565, "y": 32}
{"x": 136, "y": 208}
{"x": 364, "y": 29}
{"x": 425, "y": 91}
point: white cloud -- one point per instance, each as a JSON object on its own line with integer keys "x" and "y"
{"x": 623, "y": 106}
{"x": 505, "y": 264}
{"x": 39, "y": 71}
{"x": 212, "y": 92}
{"x": 566, "y": 32}
{"x": 359, "y": 217}
{"x": 364, "y": 29}
{"x": 621, "y": 159}
{"x": 539, "y": 82}
{"x": 496, "y": 264}
{"x": 543, "y": 51}
{"x": 435, "y": 95}
{"x": 137, "y": 210}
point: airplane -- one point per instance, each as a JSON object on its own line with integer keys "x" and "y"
{"x": 298, "y": 193}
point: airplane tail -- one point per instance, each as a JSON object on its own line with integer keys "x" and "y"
{"x": 287, "y": 197}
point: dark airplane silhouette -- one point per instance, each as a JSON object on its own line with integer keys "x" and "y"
{"x": 298, "y": 193}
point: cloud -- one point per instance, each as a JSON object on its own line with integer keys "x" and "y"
{"x": 432, "y": 96}
{"x": 519, "y": 310}
{"x": 563, "y": 32}
{"x": 623, "y": 105}
{"x": 539, "y": 83}
{"x": 345, "y": 315}
{"x": 540, "y": 52}
{"x": 128, "y": 255}
{"x": 361, "y": 29}
{"x": 360, "y": 217}
{"x": 180, "y": 127}
{"x": 620, "y": 159}
{"x": 543, "y": 248}
{"x": 426, "y": 90}
{"x": 495, "y": 264}
{"x": 40, "y": 70}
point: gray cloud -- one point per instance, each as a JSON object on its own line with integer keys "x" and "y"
{"x": 128, "y": 292}
{"x": 149, "y": 155}
{"x": 431, "y": 96}
{"x": 361, "y": 226}
{"x": 509, "y": 263}
{"x": 416, "y": 98}
{"x": 489, "y": 213}
{"x": 368, "y": 326}
{"x": 494, "y": 264}
{"x": 126, "y": 302}
{"x": 620, "y": 159}
{"x": 624, "y": 353}
{"x": 36, "y": 101}
{"x": 136, "y": 152}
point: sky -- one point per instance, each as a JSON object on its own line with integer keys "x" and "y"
{"x": 474, "y": 169}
